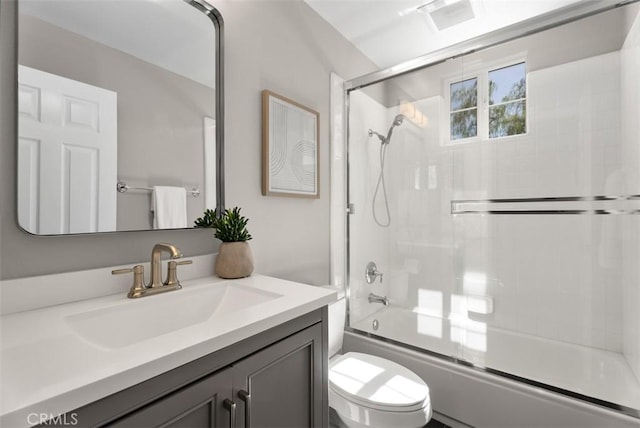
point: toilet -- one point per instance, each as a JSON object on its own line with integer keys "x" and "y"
{"x": 369, "y": 391}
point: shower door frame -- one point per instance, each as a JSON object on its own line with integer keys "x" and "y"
{"x": 532, "y": 26}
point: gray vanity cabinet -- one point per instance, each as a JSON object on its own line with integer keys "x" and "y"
{"x": 197, "y": 406}
{"x": 280, "y": 385}
{"x": 277, "y": 378}
{"x": 275, "y": 387}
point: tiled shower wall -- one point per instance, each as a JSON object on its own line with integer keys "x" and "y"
{"x": 552, "y": 276}
{"x": 371, "y": 240}
{"x": 630, "y": 231}
{"x": 557, "y": 277}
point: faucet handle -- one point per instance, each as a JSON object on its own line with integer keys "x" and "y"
{"x": 372, "y": 272}
{"x": 172, "y": 272}
{"x": 138, "y": 279}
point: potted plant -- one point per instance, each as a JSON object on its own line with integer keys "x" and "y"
{"x": 234, "y": 255}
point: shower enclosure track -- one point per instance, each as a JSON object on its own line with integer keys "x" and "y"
{"x": 470, "y": 365}
{"x": 457, "y": 206}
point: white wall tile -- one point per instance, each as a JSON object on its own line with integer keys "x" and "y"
{"x": 559, "y": 277}
{"x": 630, "y": 226}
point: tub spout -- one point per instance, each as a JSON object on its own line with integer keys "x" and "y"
{"x": 374, "y": 298}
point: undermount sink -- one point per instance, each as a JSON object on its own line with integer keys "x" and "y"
{"x": 133, "y": 321}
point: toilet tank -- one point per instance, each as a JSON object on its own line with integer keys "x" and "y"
{"x": 337, "y": 314}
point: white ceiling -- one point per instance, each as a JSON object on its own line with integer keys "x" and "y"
{"x": 173, "y": 35}
{"x": 391, "y": 32}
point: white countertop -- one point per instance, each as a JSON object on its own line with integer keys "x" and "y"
{"x": 47, "y": 367}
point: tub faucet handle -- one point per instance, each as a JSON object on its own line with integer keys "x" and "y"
{"x": 372, "y": 272}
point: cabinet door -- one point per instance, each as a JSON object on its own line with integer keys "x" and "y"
{"x": 199, "y": 405}
{"x": 283, "y": 382}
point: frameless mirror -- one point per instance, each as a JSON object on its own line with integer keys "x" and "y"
{"x": 119, "y": 115}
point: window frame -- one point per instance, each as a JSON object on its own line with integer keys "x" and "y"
{"x": 478, "y": 107}
{"x": 481, "y": 73}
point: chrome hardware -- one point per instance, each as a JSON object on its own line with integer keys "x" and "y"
{"x": 231, "y": 407}
{"x": 572, "y": 205}
{"x": 246, "y": 397}
{"x": 374, "y": 298}
{"x": 371, "y": 272}
{"x": 172, "y": 274}
{"x": 351, "y": 209}
{"x": 123, "y": 187}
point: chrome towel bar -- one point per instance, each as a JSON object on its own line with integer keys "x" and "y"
{"x": 123, "y": 187}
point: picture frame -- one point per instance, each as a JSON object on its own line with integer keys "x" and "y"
{"x": 290, "y": 148}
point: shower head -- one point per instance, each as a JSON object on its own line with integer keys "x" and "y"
{"x": 397, "y": 121}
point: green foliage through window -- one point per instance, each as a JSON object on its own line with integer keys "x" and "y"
{"x": 506, "y": 114}
{"x": 507, "y": 94}
{"x": 464, "y": 109}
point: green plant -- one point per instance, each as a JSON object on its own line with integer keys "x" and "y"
{"x": 207, "y": 219}
{"x": 230, "y": 226}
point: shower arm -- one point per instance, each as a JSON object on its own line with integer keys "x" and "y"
{"x": 377, "y": 134}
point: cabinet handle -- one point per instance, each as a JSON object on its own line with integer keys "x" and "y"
{"x": 231, "y": 407}
{"x": 246, "y": 397}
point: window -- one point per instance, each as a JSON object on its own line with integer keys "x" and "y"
{"x": 464, "y": 109}
{"x": 507, "y": 95}
{"x": 500, "y": 112}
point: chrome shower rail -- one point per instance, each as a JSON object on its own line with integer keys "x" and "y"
{"x": 470, "y": 206}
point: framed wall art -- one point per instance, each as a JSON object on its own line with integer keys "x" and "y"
{"x": 290, "y": 149}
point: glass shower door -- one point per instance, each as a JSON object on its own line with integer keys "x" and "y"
{"x": 507, "y": 218}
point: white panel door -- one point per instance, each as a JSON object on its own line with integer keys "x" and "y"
{"x": 67, "y": 155}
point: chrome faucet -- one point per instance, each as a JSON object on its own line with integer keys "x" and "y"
{"x": 374, "y": 298}
{"x": 139, "y": 289}
{"x": 156, "y": 261}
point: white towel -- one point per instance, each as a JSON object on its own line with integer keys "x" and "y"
{"x": 169, "y": 206}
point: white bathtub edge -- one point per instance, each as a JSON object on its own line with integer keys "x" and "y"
{"x": 482, "y": 399}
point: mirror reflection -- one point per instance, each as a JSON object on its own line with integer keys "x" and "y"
{"x": 116, "y": 115}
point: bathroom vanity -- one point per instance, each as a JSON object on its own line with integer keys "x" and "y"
{"x": 218, "y": 353}
{"x": 274, "y": 378}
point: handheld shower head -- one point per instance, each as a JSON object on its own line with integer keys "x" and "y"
{"x": 384, "y": 141}
{"x": 397, "y": 121}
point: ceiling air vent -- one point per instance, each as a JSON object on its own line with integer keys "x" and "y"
{"x": 447, "y": 13}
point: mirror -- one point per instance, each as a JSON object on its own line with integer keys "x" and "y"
{"x": 116, "y": 99}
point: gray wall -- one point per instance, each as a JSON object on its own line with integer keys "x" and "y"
{"x": 283, "y": 46}
{"x": 278, "y": 45}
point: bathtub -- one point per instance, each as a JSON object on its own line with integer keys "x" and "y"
{"x": 529, "y": 381}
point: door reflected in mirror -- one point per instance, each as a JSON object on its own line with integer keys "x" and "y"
{"x": 116, "y": 92}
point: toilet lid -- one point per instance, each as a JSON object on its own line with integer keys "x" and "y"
{"x": 377, "y": 383}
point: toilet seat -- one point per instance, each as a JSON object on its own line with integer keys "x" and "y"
{"x": 377, "y": 383}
